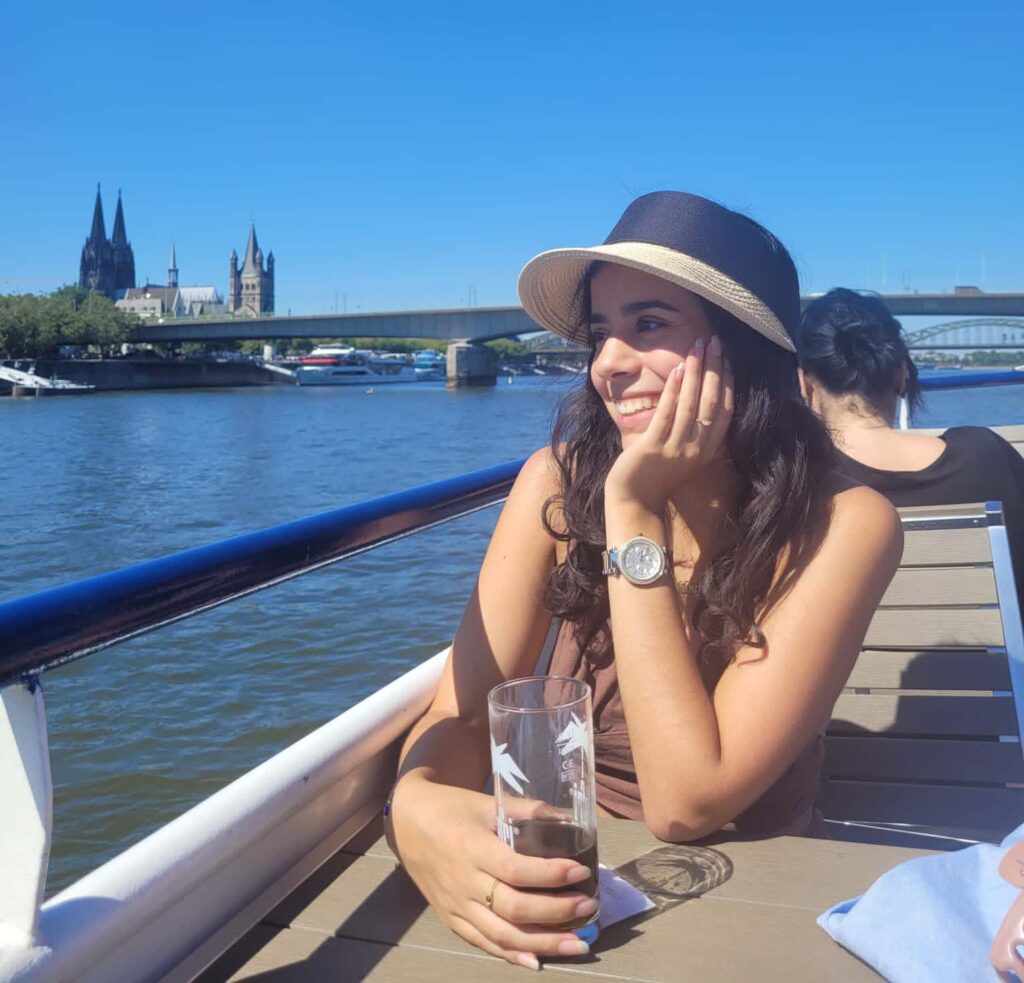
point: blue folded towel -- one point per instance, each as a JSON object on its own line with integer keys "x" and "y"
{"x": 933, "y": 918}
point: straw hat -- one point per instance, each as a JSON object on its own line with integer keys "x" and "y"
{"x": 698, "y": 244}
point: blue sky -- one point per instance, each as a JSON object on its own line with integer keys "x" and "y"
{"x": 396, "y": 155}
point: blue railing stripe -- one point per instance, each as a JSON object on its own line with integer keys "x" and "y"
{"x": 54, "y": 626}
{"x": 967, "y": 379}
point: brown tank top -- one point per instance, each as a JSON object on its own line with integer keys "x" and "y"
{"x": 787, "y": 808}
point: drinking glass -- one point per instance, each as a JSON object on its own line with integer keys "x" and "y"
{"x": 542, "y": 755}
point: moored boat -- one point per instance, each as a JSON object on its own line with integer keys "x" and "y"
{"x": 429, "y": 365}
{"x": 337, "y": 366}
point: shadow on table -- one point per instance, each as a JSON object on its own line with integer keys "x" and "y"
{"x": 669, "y": 875}
{"x": 361, "y": 939}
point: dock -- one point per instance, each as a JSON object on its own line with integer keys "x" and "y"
{"x": 24, "y": 383}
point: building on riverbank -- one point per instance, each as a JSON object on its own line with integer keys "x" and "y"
{"x": 251, "y": 288}
{"x": 156, "y": 300}
{"x": 107, "y": 265}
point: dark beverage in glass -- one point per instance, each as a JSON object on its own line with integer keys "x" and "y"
{"x": 542, "y": 756}
{"x": 558, "y": 838}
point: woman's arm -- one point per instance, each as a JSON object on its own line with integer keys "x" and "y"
{"x": 702, "y": 760}
{"x": 440, "y": 825}
{"x": 499, "y": 638}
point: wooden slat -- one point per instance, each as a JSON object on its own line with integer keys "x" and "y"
{"x": 371, "y": 922}
{"x": 938, "y": 586}
{"x": 900, "y": 669}
{"x": 304, "y": 957}
{"x": 943, "y": 716}
{"x": 935, "y": 628}
{"x": 1014, "y": 433}
{"x": 916, "y": 759}
{"x": 945, "y": 547}
{"x": 989, "y": 809}
{"x": 954, "y": 509}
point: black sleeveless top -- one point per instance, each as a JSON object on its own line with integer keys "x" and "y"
{"x": 977, "y": 466}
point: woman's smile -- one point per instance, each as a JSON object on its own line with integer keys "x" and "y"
{"x": 641, "y": 327}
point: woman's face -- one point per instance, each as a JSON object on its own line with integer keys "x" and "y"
{"x": 641, "y": 327}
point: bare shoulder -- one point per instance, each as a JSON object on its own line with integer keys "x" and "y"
{"x": 537, "y": 481}
{"x": 865, "y": 521}
{"x": 541, "y": 469}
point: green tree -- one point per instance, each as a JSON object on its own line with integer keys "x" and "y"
{"x": 31, "y": 326}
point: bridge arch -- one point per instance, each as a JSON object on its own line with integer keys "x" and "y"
{"x": 977, "y": 332}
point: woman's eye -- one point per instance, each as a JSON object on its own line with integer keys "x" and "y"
{"x": 648, "y": 324}
{"x": 597, "y": 336}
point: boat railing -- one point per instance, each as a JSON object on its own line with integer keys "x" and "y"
{"x": 54, "y": 626}
{"x": 146, "y": 906}
{"x": 963, "y": 379}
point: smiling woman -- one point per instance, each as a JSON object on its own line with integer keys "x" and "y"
{"x": 685, "y": 527}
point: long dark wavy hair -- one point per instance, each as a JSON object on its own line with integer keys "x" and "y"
{"x": 781, "y": 453}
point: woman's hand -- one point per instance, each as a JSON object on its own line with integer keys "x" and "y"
{"x": 687, "y": 429}
{"x": 446, "y": 839}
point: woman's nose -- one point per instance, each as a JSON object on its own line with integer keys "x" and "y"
{"x": 615, "y": 357}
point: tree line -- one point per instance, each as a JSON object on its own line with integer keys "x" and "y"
{"x": 36, "y": 325}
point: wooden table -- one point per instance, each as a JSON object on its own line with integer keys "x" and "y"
{"x": 361, "y": 917}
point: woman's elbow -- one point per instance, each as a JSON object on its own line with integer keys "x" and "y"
{"x": 682, "y": 826}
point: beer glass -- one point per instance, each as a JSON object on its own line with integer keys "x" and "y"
{"x": 542, "y": 755}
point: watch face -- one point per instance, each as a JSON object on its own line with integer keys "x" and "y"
{"x": 642, "y": 561}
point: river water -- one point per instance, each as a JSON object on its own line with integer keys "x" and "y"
{"x": 143, "y": 730}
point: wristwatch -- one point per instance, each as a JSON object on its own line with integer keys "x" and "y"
{"x": 639, "y": 560}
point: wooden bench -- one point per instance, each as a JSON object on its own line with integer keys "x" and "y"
{"x": 927, "y": 734}
{"x": 1013, "y": 434}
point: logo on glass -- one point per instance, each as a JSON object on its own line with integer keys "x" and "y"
{"x": 503, "y": 766}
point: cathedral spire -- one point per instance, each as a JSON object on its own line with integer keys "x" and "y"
{"x": 99, "y": 229}
{"x": 118, "y": 237}
{"x": 172, "y": 269}
{"x": 249, "y": 263}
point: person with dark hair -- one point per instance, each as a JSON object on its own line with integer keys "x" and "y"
{"x": 713, "y": 577}
{"x": 854, "y": 367}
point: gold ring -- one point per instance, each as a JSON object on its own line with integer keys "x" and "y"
{"x": 705, "y": 423}
{"x": 489, "y": 900}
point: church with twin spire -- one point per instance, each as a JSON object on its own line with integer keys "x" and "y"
{"x": 108, "y": 267}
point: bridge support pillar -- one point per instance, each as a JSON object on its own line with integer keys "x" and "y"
{"x": 471, "y": 364}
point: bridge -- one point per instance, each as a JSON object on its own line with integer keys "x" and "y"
{"x": 974, "y": 334}
{"x": 480, "y": 324}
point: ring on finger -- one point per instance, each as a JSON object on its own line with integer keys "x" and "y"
{"x": 489, "y": 898}
{"x": 705, "y": 423}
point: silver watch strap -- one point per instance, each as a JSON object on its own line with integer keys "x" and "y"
{"x": 610, "y": 562}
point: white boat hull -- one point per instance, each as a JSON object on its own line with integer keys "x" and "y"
{"x": 170, "y": 905}
{"x": 353, "y": 375}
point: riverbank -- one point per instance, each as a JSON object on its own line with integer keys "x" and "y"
{"x": 149, "y": 373}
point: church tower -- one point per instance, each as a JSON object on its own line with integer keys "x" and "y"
{"x": 124, "y": 258}
{"x": 107, "y": 266}
{"x": 172, "y": 269}
{"x": 251, "y": 290}
{"x": 234, "y": 284}
{"x": 96, "y": 268}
